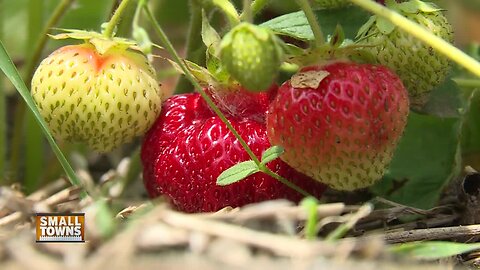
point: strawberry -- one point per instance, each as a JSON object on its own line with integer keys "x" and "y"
{"x": 252, "y": 55}
{"x": 103, "y": 99}
{"x": 419, "y": 66}
{"x": 189, "y": 146}
{"x": 339, "y": 123}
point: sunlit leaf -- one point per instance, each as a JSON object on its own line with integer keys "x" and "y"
{"x": 237, "y": 172}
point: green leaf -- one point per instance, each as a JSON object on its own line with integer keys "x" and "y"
{"x": 445, "y": 100}
{"x": 271, "y": 154}
{"x": 6, "y": 65}
{"x": 433, "y": 250}
{"x": 296, "y": 25}
{"x": 237, "y": 172}
{"x": 423, "y": 163}
{"x": 210, "y": 37}
{"x": 384, "y": 25}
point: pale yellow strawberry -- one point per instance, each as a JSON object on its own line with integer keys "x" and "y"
{"x": 103, "y": 100}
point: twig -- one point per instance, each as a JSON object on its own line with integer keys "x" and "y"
{"x": 433, "y": 234}
{"x": 278, "y": 244}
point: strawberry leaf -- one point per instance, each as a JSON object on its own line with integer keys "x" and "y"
{"x": 210, "y": 37}
{"x": 237, "y": 172}
{"x": 271, "y": 154}
{"x": 425, "y": 160}
{"x": 296, "y": 25}
{"x": 433, "y": 250}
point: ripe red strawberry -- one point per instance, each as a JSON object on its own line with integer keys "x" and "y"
{"x": 187, "y": 149}
{"x": 339, "y": 123}
{"x": 103, "y": 99}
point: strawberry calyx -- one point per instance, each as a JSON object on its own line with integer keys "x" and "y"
{"x": 101, "y": 42}
{"x": 408, "y": 7}
{"x": 338, "y": 48}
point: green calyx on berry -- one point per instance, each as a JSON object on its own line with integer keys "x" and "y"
{"x": 252, "y": 55}
{"x": 419, "y": 66}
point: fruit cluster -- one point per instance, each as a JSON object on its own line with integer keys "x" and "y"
{"x": 338, "y": 121}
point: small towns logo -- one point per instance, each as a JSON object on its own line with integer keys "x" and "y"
{"x": 60, "y": 227}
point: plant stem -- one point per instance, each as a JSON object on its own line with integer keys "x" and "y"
{"x": 467, "y": 83}
{"x": 194, "y": 44}
{"x": 229, "y": 10}
{"x": 117, "y": 16}
{"x": 256, "y": 7}
{"x": 29, "y": 69}
{"x": 284, "y": 181}
{"x": 169, "y": 47}
{"x": 247, "y": 15}
{"x": 422, "y": 34}
{"x": 312, "y": 20}
{"x": 3, "y": 112}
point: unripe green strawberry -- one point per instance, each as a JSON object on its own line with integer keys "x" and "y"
{"x": 252, "y": 55}
{"x": 339, "y": 123}
{"x": 103, "y": 100}
{"x": 419, "y": 66}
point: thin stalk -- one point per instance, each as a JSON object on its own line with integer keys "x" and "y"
{"x": 247, "y": 15}
{"x": 117, "y": 16}
{"x": 422, "y": 34}
{"x": 467, "y": 83}
{"x": 20, "y": 109}
{"x": 194, "y": 44}
{"x": 285, "y": 181}
{"x": 169, "y": 47}
{"x": 312, "y": 20}
{"x": 34, "y": 139}
{"x": 3, "y": 112}
{"x": 255, "y": 8}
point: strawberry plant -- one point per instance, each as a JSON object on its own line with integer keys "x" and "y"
{"x": 310, "y": 101}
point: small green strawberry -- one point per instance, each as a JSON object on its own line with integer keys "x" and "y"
{"x": 419, "y": 66}
{"x": 339, "y": 123}
{"x": 103, "y": 99}
{"x": 252, "y": 55}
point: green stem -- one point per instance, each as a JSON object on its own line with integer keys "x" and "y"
{"x": 284, "y": 181}
{"x": 257, "y": 6}
{"x": 422, "y": 34}
{"x": 312, "y": 20}
{"x": 169, "y": 47}
{"x": 29, "y": 69}
{"x": 117, "y": 16}
{"x": 3, "y": 111}
{"x": 467, "y": 83}
{"x": 229, "y": 10}
{"x": 247, "y": 14}
{"x": 194, "y": 44}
